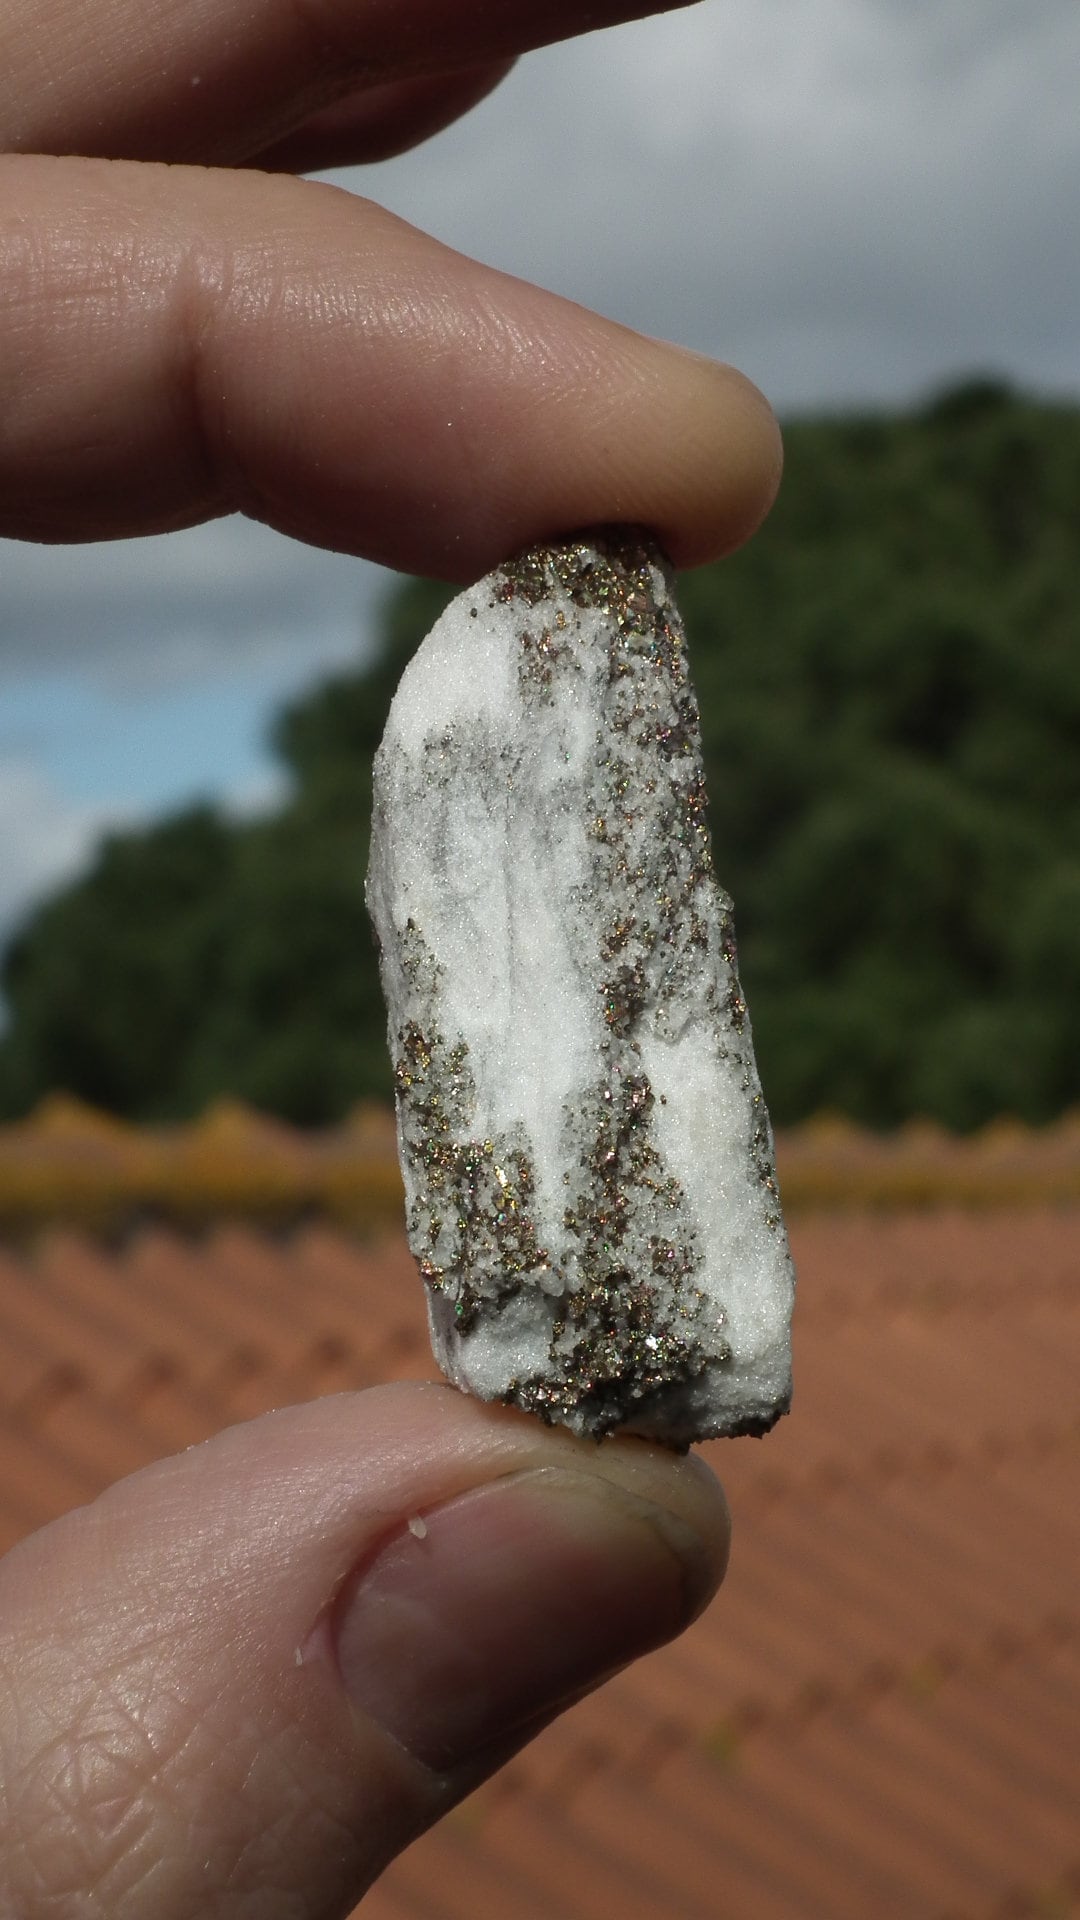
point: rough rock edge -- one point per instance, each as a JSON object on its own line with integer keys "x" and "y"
{"x": 627, "y": 1321}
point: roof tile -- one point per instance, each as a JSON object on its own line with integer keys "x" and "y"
{"x": 881, "y": 1713}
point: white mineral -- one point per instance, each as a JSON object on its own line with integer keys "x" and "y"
{"x": 588, "y": 1161}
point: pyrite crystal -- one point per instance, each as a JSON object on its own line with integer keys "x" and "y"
{"x": 588, "y": 1162}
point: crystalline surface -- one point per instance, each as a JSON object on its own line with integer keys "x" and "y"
{"x": 588, "y": 1161}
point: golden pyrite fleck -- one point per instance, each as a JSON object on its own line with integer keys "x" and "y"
{"x": 588, "y": 1162}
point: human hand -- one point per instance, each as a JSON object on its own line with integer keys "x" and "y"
{"x": 241, "y": 1681}
{"x": 180, "y": 341}
{"x": 238, "y": 1683}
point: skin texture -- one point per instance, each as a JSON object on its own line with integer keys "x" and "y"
{"x": 240, "y": 1681}
{"x": 181, "y": 338}
{"x": 177, "y": 343}
{"x": 191, "y": 1725}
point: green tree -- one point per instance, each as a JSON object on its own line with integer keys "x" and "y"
{"x": 890, "y": 690}
{"x": 889, "y": 679}
{"x": 108, "y": 983}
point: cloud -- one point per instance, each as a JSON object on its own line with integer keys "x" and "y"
{"x": 853, "y": 200}
{"x": 45, "y": 839}
{"x": 181, "y": 607}
{"x": 154, "y": 746}
{"x": 48, "y": 836}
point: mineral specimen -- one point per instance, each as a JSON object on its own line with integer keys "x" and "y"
{"x": 588, "y": 1161}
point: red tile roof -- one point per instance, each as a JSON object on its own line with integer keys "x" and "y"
{"x": 66, "y": 1162}
{"x": 879, "y": 1717}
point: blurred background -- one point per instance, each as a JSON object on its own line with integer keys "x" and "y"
{"x": 870, "y": 207}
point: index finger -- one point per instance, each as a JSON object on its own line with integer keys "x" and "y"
{"x": 177, "y": 343}
{"x": 217, "y": 84}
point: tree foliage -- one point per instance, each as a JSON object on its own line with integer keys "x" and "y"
{"x": 889, "y": 680}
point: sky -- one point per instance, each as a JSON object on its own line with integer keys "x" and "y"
{"x": 855, "y": 201}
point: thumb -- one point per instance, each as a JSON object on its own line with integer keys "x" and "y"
{"x": 243, "y": 1679}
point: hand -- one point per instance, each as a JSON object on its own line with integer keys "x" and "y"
{"x": 180, "y": 341}
{"x": 241, "y": 1680}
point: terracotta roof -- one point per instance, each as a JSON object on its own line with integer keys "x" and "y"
{"x": 66, "y": 1162}
{"x": 880, "y": 1716}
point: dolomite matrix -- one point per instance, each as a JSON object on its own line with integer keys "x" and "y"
{"x": 588, "y": 1162}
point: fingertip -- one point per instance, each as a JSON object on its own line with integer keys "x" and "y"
{"x": 380, "y": 122}
{"x": 741, "y": 455}
{"x": 599, "y": 425}
{"x": 344, "y": 1614}
{"x": 486, "y": 1615}
{"x": 683, "y": 1485}
{"x": 714, "y": 454}
{"x": 288, "y": 350}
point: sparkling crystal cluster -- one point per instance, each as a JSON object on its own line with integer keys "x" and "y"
{"x": 588, "y": 1162}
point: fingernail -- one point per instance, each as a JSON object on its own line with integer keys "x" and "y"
{"x": 509, "y": 1601}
